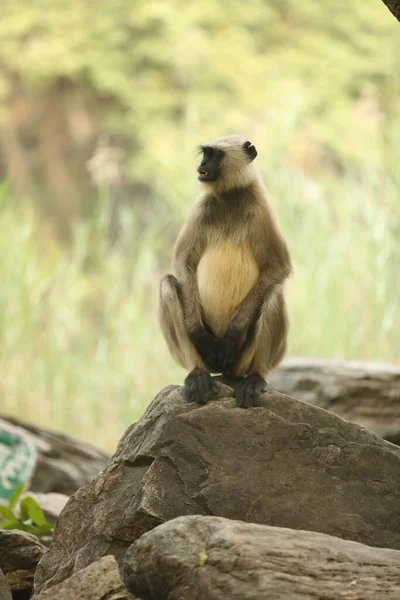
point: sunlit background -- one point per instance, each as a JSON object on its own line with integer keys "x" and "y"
{"x": 101, "y": 106}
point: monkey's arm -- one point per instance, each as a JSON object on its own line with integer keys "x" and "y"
{"x": 264, "y": 348}
{"x": 188, "y": 250}
{"x": 242, "y": 323}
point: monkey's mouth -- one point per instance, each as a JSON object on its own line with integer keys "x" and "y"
{"x": 204, "y": 175}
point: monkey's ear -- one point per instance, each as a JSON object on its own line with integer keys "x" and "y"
{"x": 250, "y": 150}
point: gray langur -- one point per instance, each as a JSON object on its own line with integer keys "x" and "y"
{"x": 225, "y": 310}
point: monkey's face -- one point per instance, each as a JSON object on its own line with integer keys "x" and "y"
{"x": 218, "y": 163}
{"x": 209, "y": 169}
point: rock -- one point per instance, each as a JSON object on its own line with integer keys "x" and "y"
{"x": 64, "y": 464}
{"x": 20, "y": 553}
{"x": 99, "y": 581}
{"x": 287, "y": 464}
{"x": 193, "y": 558}
{"x": 364, "y": 392}
{"x": 5, "y": 592}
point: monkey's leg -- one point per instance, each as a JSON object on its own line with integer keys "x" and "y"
{"x": 265, "y": 348}
{"x": 198, "y": 384}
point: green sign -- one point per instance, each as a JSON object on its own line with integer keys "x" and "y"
{"x": 17, "y": 460}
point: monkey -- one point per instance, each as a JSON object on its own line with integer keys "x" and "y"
{"x": 224, "y": 310}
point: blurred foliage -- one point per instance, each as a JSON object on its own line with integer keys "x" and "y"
{"x": 28, "y": 516}
{"x": 101, "y": 107}
{"x": 161, "y": 76}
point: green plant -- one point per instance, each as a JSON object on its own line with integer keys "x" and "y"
{"x": 31, "y": 516}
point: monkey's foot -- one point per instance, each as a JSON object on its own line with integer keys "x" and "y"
{"x": 198, "y": 386}
{"x": 248, "y": 390}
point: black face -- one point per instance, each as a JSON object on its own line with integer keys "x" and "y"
{"x": 210, "y": 167}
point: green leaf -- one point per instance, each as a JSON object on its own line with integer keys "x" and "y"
{"x": 38, "y": 530}
{"x": 13, "y": 525}
{"x": 46, "y": 528}
{"x": 32, "y": 529}
{"x": 7, "y": 513}
{"x": 23, "y": 509}
{"x": 35, "y": 512}
{"x": 15, "y": 496}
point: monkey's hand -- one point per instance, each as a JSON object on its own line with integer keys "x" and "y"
{"x": 229, "y": 350}
{"x": 206, "y": 345}
{"x": 249, "y": 389}
{"x": 198, "y": 386}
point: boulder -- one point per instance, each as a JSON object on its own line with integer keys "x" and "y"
{"x": 20, "y": 553}
{"x": 64, "y": 464}
{"x": 5, "y": 592}
{"x": 366, "y": 393}
{"x": 193, "y": 558}
{"x": 99, "y": 581}
{"x": 286, "y": 463}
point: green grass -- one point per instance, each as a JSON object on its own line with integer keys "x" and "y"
{"x": 80, "y": 347}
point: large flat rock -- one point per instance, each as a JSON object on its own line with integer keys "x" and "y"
{"x": 286, "y": 463}
{"x": 197, "y": 558}
{"x": 366, "y": 393}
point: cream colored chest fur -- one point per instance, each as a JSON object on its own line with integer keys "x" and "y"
{"x": 226, "y": 273}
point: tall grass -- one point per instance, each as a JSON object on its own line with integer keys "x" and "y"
{"x": 80, "y": 347}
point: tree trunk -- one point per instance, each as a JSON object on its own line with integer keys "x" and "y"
{"x": 363, "y": 392}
